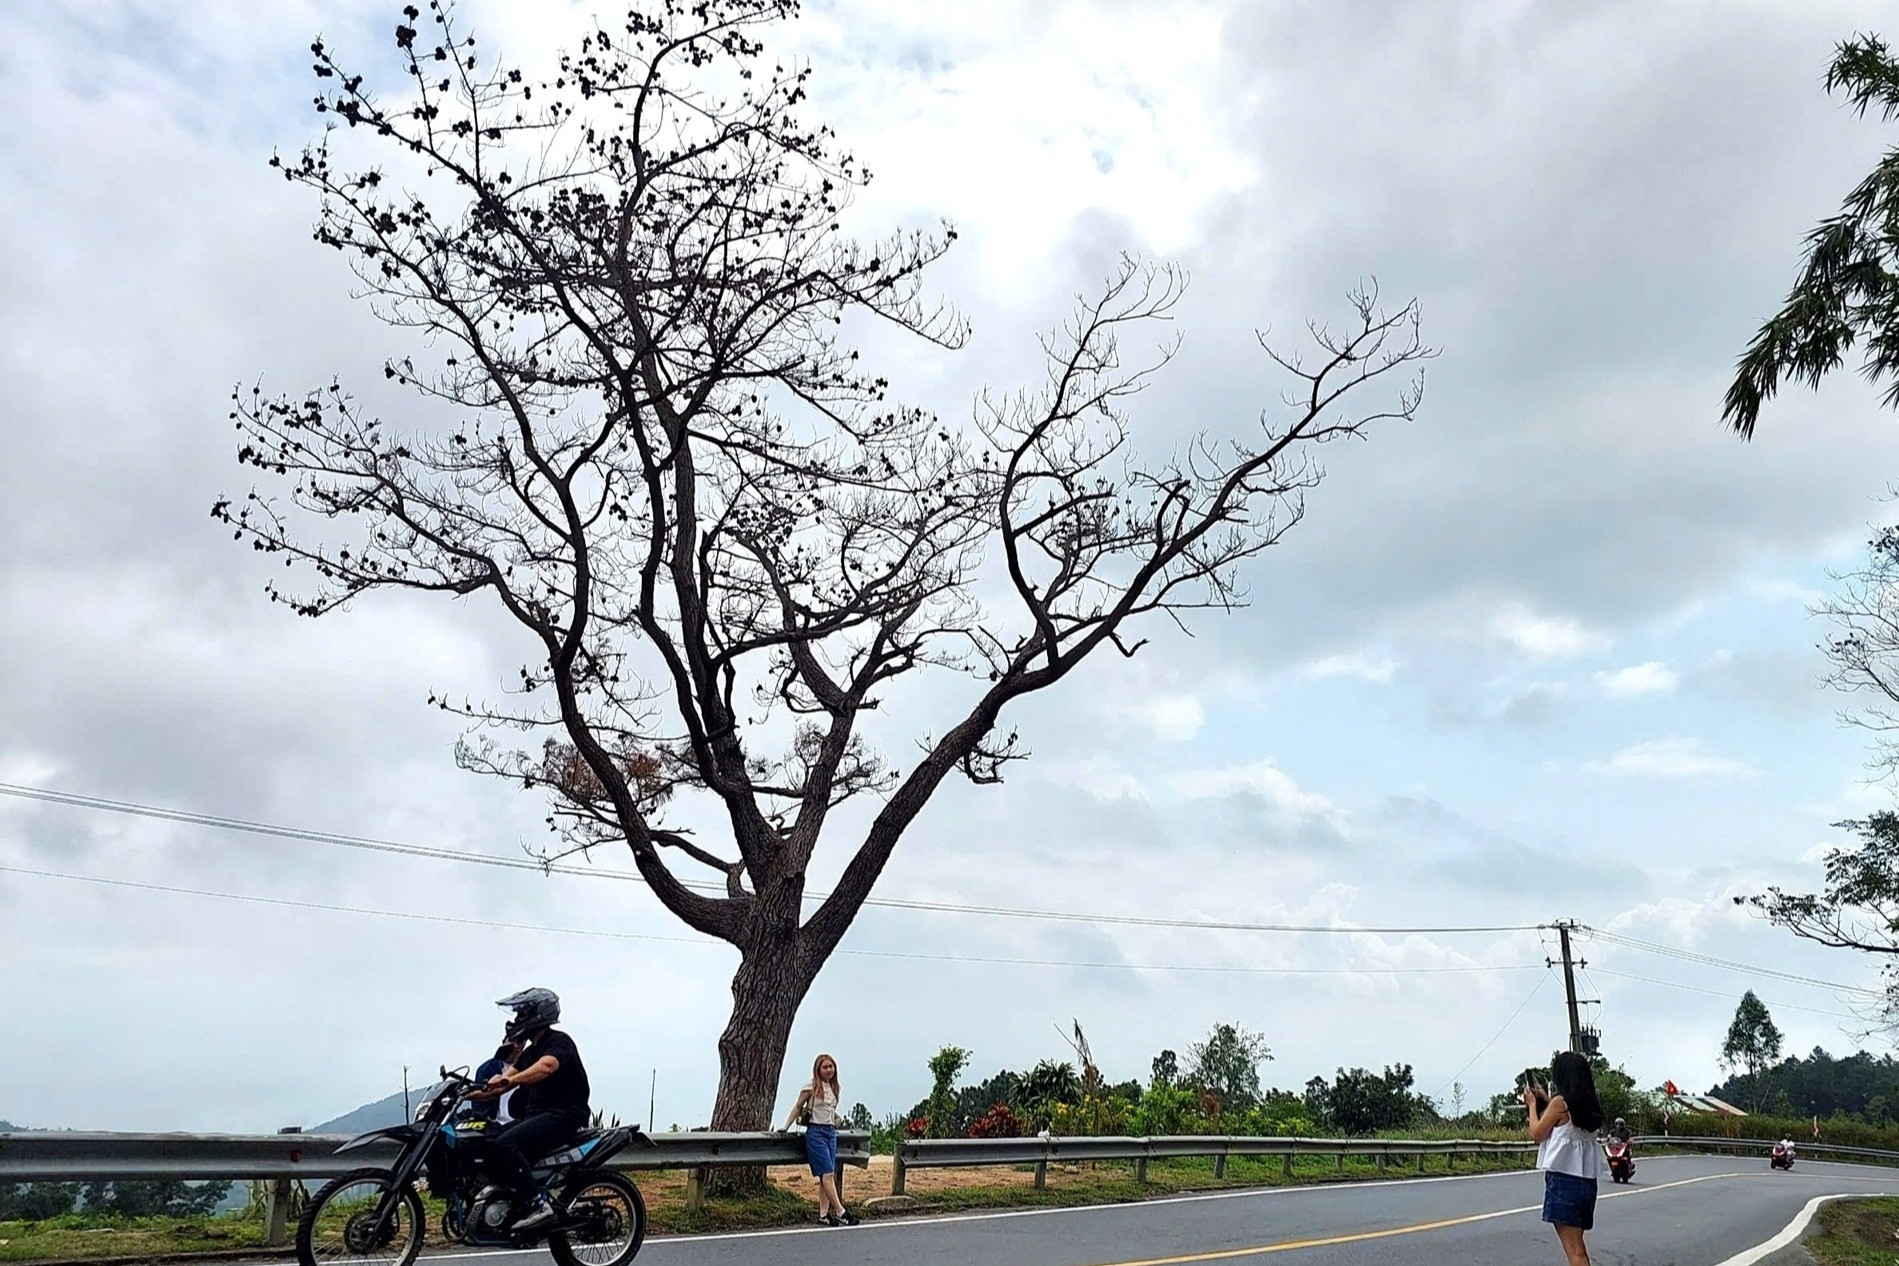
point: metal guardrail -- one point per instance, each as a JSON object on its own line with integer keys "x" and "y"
{"x": 1763, "y": 1146}
{"x": 69, "y": 1156}
{"x": 1041, "y": 1152}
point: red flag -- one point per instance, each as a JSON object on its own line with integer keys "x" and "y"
{"x": 1668, "y": 1087}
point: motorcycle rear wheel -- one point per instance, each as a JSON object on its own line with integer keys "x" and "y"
{"x": 338, "y": 1224}
{"x": 603, "y": 1222}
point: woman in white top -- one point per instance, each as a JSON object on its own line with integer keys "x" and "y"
{"x": 1564, "y": 1118}
{"x": 817, "y": 1108}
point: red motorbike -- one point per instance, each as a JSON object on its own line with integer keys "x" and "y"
{"x": 1621, "y": 1160}
{"x": 1782, "y": 1157}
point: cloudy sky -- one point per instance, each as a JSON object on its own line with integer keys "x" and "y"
{"x": 1542, "y": 654}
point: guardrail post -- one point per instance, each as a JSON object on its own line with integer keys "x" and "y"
{"x": 1384, "y": 1158}
{"x": 696, "y": 1187}
{"x": 1341, "y": 1160}
{"x": 1140, "y": 1169}
{"x": 1285, "y": 1166}
{"x": 1219, "y": 1165}
{"x": 896, "y": 1169}
{"x": 277, "y": 1203}
{"x": 1420, "y": 1162}
{"x": 1041, "y": 1174}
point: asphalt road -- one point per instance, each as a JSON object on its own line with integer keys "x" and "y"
{"x": 1681, "y": 1211}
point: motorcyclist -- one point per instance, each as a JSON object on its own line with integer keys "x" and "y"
{"x": 1620, "y": 1131}
{"x": 1785, "y": 1146}
{"x": 552, "y": 1106}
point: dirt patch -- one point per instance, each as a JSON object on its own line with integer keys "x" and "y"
{"x": 875, "y": 1181}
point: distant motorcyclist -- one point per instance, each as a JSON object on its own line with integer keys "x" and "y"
{"x": 552, "y": 1106}
{"x": 1620, "y": 1131}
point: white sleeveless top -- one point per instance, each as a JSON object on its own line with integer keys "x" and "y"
{"x": 822, "y": 1105}
{"x": 1570, "y": 1149}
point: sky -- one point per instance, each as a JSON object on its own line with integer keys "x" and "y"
{"x": 1543, "y": 653}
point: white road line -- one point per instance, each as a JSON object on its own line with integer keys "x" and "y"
{"x": 1791, "y": 1232}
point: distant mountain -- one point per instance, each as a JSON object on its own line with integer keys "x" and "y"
{"x": 371, "y": 1116}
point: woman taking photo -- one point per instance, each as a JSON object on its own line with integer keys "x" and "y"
{"x": 1564, "y": 1118}
{"x": 817, "y": 1109}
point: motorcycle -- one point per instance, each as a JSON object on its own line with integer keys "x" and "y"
{"x": 1781, "y": 1157}
{"x": 1621, "y": 1160}
{"x": 378, "y": 1212}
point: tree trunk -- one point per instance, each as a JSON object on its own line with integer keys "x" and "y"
{"x": 766, "y": 990}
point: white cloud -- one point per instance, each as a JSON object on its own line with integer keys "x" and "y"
{"x": 1172, "y": 718}
{"x": 26, "y": 767}
{"x": 1670, "y": 758}
{"x": 1819, "y": 852}
{"x": 1545, "y": 636}
{"x": 1100, "y": 778}
{"x": 1261, "y": 778}
{"x": 1785, "y": 591}
{"x": 1686, "y": 921}
{"x": 1653, "y": 677}
{"x": 1378, "y": 669}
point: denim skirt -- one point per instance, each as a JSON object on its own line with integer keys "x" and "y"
{"x": 1569, "y": 1200}
{"x": 820, "y": 1149}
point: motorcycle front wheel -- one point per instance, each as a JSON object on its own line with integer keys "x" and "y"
{"x": 341, "y": 1224}
{"x": 603, "y": 1223}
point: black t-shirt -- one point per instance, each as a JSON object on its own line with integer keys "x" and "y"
{"x": 565, "y": 1091}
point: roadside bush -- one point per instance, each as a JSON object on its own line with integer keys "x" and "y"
{"x": 997, "y": 1123}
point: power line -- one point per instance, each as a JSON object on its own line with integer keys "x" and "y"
{"x": 1722, "y": 993}
{"x": 1540, "y": 982}
{"x": 75, "y": 800}
{"x": 1708, "y": 960}
{"x": 292, "y": 903}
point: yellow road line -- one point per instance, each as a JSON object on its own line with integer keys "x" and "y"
{"x": 1357, "y": 1237}
{"x": 1288, "y": 1246}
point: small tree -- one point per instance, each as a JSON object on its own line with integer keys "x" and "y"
{"x": 1049, "y": 1083}
{"x": 1227, "y": 1063}
{"x": 1164, "y": 1071}
{"x": 637, "y": 430}
{"x": 1752, "y": 1045}
{"x": 945, "y": 1067}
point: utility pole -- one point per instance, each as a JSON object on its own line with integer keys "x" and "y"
{"x": 1581, "y": 1041}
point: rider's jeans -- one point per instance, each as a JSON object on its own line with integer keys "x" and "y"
{"x": 527, "y": 1140}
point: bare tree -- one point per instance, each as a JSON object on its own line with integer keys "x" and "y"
{"x": 639, "y": 430}
{"x": 1862, "y": 651}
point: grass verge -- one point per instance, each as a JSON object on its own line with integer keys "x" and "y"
{"x": 1857, "y": 1233}
{"x": 789, "y": 1201}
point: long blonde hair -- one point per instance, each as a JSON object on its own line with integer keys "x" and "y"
{"x": 818, "y": 1078}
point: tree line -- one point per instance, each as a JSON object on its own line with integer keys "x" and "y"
{"x": 140, "y": 1198}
